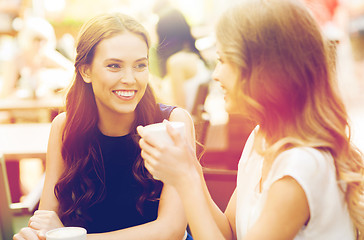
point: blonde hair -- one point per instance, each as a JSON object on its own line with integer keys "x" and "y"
{"x": 288, "y": 86}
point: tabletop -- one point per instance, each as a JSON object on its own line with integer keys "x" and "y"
{"x": 10, "y": 104}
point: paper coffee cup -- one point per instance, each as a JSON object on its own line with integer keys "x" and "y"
{"x": 158, "y": 131}
{"x": 67, "y": 233}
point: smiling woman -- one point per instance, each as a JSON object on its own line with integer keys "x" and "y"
{"x": 95, "y": 176}
{"x": 119, "y": 76}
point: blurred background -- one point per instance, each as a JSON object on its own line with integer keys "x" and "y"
{"x": 37, "y": 39}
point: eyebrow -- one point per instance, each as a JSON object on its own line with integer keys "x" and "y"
{"x": 119, "y": 60}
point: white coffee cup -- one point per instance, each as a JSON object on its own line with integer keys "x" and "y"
{"x": 158, "y": 131}
{"x": 67, "y": 233}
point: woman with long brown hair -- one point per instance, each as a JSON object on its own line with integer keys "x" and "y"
{"x": 299, "y": 176}
{"x": 95, "y": 176}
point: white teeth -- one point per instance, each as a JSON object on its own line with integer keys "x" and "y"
{"x": 125, "y": 93}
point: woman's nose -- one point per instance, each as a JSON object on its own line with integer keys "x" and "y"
{"x": 215, "y": 74}
{"x": 128, "y": 76}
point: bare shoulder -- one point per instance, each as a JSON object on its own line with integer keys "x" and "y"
{"x": 180, "y": 114}
{"x": 182, "y": 57}
{"x": 60, "y": 118}
{"x": 183, "y": 61}
{"x": 59, "y": 121}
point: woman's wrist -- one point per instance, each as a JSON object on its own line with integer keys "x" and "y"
{"x": 188, "y": 180}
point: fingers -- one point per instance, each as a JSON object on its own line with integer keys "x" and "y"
{"x": 35, "y": 225}
{"x": 44, "y": 220}
{"x": 151, "y": 170}
{"x": 38, "y": 221}
{"x": 173, "y": 133}
{"x": 147, "y": 148}
{"x": 26, "y": 234}
{"x": 150, "y": 139}
{"x": 145, "y": 136}
{"x": 149, "y": 161}
{"x": 149, "y": 154}
{"x": 140, "y": 131}
{"x": 42, "y": 235}
{"x": 157, "y": 156}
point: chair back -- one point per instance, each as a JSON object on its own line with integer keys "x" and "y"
{"x": 221, "y": 184}
{"x": 6, "y": 225}
{"x": 201, "y": 95}
{"x": 199, "y": 115}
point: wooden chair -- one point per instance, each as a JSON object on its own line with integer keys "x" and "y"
{"x": 200, "y": 117}
{"x": 199, "y": 102}
{"x": 13, "y": 216}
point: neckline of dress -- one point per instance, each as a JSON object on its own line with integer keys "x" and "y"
{"x": 114, "y": 137}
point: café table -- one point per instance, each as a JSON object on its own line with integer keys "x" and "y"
{"x": 13, "y": 103}
{"x": 48, "y": 105}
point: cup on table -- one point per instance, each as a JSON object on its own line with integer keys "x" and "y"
{"x": 67, "y": 233}
{"x": 158, "y": 131}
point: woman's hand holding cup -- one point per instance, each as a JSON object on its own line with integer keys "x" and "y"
{"x": 167, "y": 155}
{"x": 43, "y": 221}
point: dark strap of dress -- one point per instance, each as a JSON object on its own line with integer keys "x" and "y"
{"x": 165, "y": 112}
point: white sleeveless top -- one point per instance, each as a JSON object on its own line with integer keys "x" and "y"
{"x": 315, "y": 171}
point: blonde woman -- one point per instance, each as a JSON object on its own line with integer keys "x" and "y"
{"x": 299, "y": 176}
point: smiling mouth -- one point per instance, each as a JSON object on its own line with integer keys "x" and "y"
{"x": 223, "y": 90}
{"x": 125, "y": 94}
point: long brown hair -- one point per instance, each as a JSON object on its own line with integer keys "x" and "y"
{"x": 83, "y": 161}
{"x": 288, "y": 86}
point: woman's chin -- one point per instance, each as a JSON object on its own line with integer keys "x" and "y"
{"x": 231, "y": 108}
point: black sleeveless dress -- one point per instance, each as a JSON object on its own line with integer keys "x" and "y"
{"x": 118, "y": 208}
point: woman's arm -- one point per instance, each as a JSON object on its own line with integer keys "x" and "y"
{"x": 54, "y": 164}
{"x": 230, "y": 213}
{"x": 46, "y": 218}
{"x": 219, "y": 217}
{"x": 224, "y": 221}
{"x": 177, "y": 165}
{"x": 169, "y": 225}
{"x": 285, "y": 212}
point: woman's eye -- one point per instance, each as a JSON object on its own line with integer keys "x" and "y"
{"x": 113, "y": 66}
{"x": 141, "y": 66}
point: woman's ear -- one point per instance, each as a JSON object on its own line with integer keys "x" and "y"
{"x": 85, "y": 72}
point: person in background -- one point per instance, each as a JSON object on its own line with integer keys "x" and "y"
{"x": 36, "y": 66}
{"x": 299, "y": 176}
{"x": 95, "y": 176}
{"x": 180, "y": 64}
{"x": 9, "y": 11}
